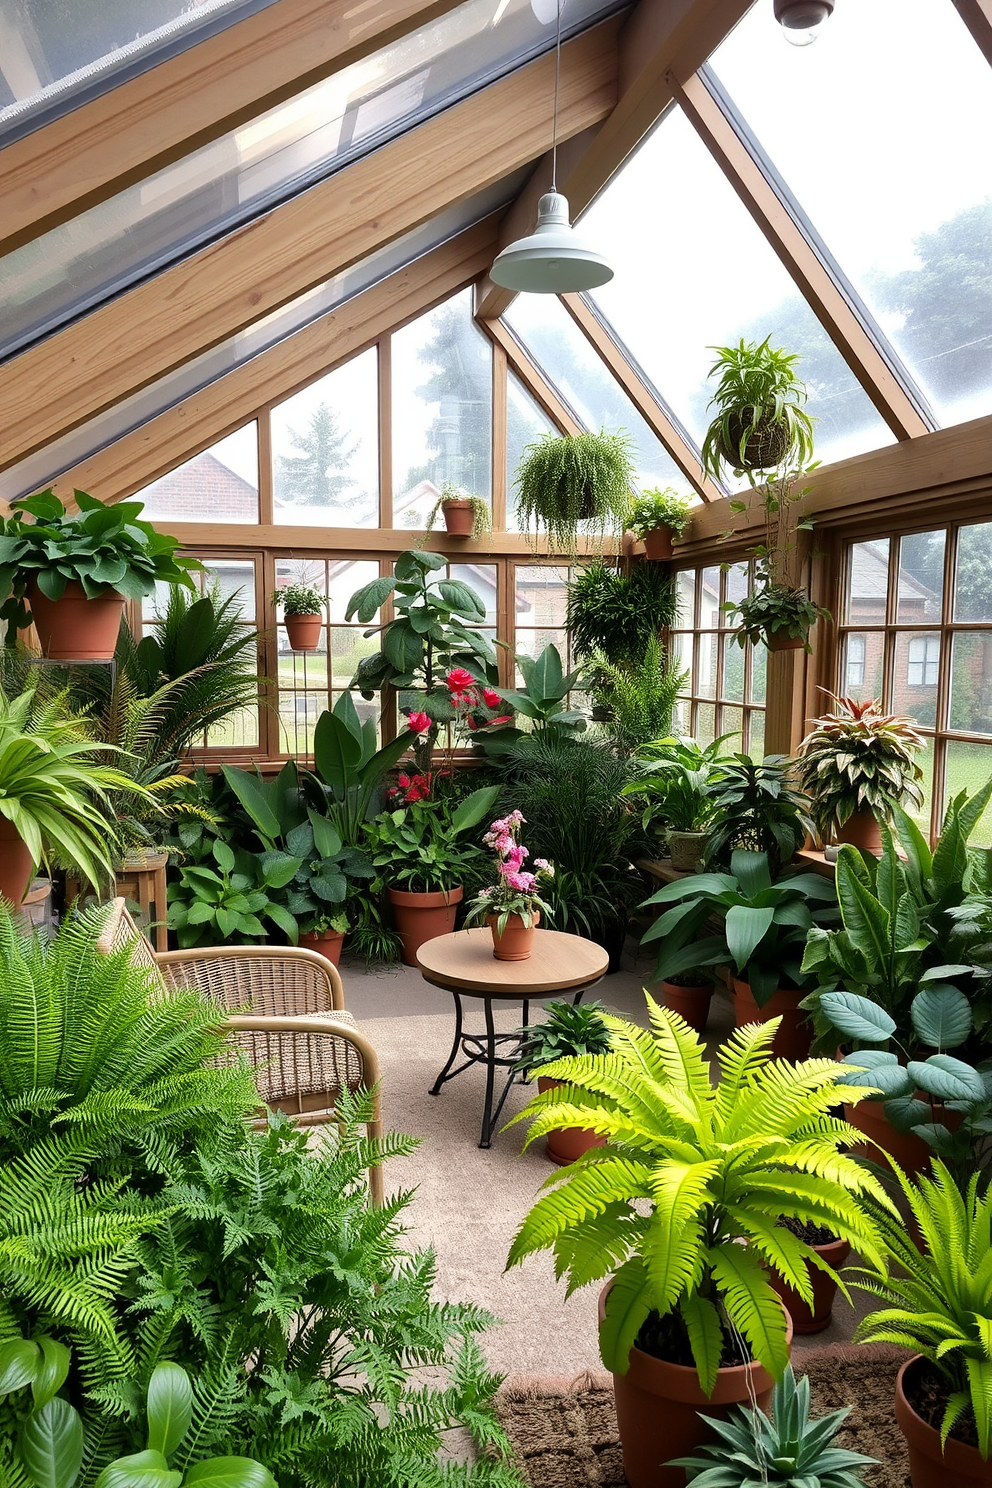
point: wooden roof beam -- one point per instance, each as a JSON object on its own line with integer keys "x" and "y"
{"x": 133, "y": 130}
{"x": 977, "y": 16}
{"x": 186, "y": 309}
{"x": 655, "y": 40}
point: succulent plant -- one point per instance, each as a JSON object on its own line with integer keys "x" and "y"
{"x": 859, "y": 759}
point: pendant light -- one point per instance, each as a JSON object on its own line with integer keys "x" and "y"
{"x": 803, "y": 20}
{"x": 554, "y": 259}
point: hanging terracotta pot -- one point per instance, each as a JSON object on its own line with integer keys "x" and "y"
{"x": 569, "y": 1142}
{"x": 806, "y": 1319}
{"x": 75, "y": 628}
{"x": 794, "y": 1035}
{"x": 16, "y": 863}
{"x": 658, "y": 544}
{"x": 421, "y": 917}
{"x": 327, "y": 943}
{"x": 516, "y": 941}
{"x": 304, "y": 631}
{"x": 691, "y": 1003}
{"x": 458, "y": 517}
{"x": 784, "y": 643}
{"x": 657, "y": 1410}
{"x": 861, "y": 830}
{"x": 955, "y": 1466}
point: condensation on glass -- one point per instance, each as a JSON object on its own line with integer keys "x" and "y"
{"x": 724, "y": 690}
{"x": 526, "y": 422}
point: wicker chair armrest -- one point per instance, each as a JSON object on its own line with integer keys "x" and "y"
{"x": 312, "y": 1027}
{"x": 245, "y": 965}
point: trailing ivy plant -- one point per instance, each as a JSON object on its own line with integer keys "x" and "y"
{"x": 481, "y": 515}
{"x": 565, "y": 480}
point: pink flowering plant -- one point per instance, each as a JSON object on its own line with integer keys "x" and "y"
{"x": 516, "y": 890}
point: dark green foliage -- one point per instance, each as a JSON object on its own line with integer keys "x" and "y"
{"x": 543, "y": 700}
{"x": 772, "y": 611}
{"x": 753, "y": 806}
{"x": 641, "y": 697}
{"x": 617, "y": 614}
{"x": 565, "y": 480}
{"x": 568, "y": 1030}
{"x": 757, "y": 388}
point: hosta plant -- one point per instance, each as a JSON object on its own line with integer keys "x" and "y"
{"x": 230, "y": 900}
{"x": 683, "y": 1204}
{"x": 783, "y": 1450}
{"x": 859, "y": 759}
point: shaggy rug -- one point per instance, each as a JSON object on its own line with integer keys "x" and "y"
{"x": 564, "y": 1432}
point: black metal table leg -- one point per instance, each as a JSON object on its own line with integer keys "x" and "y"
{"x": 487, "y": 1118}
{"x": 436, "y": 1087}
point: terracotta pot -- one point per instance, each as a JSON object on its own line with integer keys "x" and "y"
{"x": 565, "y": 1145}
{"x": 861, "y": 830}
{"x": 517, "y": 940}
{"x": 815, "y": 1319}
{"x": 686, "y": 849}
{"x": 910, "y": 1151}
{"x": 658, "y": 544}
{"x": 458, "y": 518}
{"x": 691, "y": 1003}
{"x": 784, "y": 643}
{"x": 328, "y": 943}
{"x": 794, "y": 1034}
{"x": 304, "y": 631}
{"x": 957, "y": 1466}
{"x": 422, "y": 917}
{"x": 75, "y": 628}
{"x": 16, "y": 863}
{"x": 657, "y": 1405}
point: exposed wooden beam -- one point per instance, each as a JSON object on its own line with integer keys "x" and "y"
{"x": 357, "y": 541}
{"x": 211, "y": 295}
{"x": 655, "y": 40}
{"x": 642, "y": 398}
{"x": 541, "y": 390}
{"x": 132, "y": 130}
{"x": 140, "y": 457}
{"x": 977, "y": 16}
{"x": 797, "y": 254}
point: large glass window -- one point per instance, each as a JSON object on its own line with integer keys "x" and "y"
{"x": 724, "y": 686}
{"x": 925, "y": 650}
{"x": 219, "y": 485}
{"x": 703, "y": 275}
{"x": 325, "y": 450}
{"x": 902, "y": 199}
{"x": 442, "y": 409}
{"x": 526, "y": 421}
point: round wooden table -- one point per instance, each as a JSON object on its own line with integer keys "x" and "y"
{"x": 463, "y": 962}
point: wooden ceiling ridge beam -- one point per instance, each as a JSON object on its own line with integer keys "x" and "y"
{"x": 214, "y": 293}
{"x": 656, "y": 39}
{"x": 799, "y": 257}
{"x": 642, "y": 398}
{"x": 181, "y": 432}
{"x": 181, "y": 104}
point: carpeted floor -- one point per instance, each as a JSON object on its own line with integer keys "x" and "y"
{"x": 564, "y": 1433}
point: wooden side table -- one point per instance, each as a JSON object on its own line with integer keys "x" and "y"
{"x": 463, "y": 962}
{"x": 142, "y": 882}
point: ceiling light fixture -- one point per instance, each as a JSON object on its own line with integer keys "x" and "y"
{"x": 802, "y": 20}
{"x": 554, "y": 259}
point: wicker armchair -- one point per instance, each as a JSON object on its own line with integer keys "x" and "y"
{"x": 288, "y": 1016}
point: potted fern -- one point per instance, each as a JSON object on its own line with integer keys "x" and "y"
{"x": 761, "y": 420}
{"x": 658, "y": 517}
{"x": 569, "y": 1030}
{"x": 683, "y": 1204}
{"x": 571, "y": 478}
{"x": 464, "y": 515}
{"x": 302, "y": 613}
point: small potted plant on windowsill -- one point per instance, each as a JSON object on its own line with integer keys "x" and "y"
{"x": 303, "y": 614}
{"x": 568, "y": 1032}
{"x": 464, "y": 515}
{"x": 511, "y": 907}
{"x": 571, "y": 478}
{"x": 657, "y": 518}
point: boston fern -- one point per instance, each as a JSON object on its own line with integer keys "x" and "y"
{"x": 568, "y": 479}
{"x": 691, "y": 1170}
{"x": 616, "y": 613}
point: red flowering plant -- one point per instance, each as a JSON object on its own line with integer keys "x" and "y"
{"x": 477, "y": 707}
{"x": 516, "y": 890}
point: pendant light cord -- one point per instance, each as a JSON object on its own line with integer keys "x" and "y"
{"x": 554, "y": 125}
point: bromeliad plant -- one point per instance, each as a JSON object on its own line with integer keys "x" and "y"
{"x": 515, "y": 892}
{"x": 683, "y": 1204}
{"x": 859, "y": 759}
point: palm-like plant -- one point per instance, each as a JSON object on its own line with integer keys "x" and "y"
{"x": 859, "y": 759}
{"x": 685, "y": 1200}
{"x": 760, "y": 417}
{"x": 940, "y": 1297}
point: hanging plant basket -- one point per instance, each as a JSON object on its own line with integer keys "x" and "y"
{"x": 764, "y": 448}
{"x": 565, "y": 480}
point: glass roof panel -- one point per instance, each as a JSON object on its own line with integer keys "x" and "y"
{"x": 557, "y": 346}
{"x": 235, "y": 178}
{"x": 698, "y": 273}
{"x": 52, "y": 54}
{"x": 894, "y": 174}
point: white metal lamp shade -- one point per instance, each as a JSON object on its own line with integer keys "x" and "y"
{"x": 554, "y": 259}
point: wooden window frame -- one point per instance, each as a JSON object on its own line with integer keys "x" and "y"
{"x": 699, "y": 637}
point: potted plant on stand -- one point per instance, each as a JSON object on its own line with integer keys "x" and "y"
{"x": 72, "y": 573}
{"x": 568, "y": 479}
{"x": 464, "y": 515}
{"x": 511, "y": 907}
{"x": 570, "y": 1030}
{"x": 303, "y": 614}
{"x": 855, "y": 765}
{"x": 683, "y": 1205}
{"x": 657, "y": 518}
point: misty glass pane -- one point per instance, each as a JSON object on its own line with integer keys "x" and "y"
{"x": 707, "y": 650}
{"x": 711, "y": 286}
{"x": 973, "y": 577}
{"x": 868, "y": 582}
{"x": 705, "y": 730}
{"x": 218, "y": 485}
{"x": 916, "y": 671}
{"x": 732, "y": 722}
{"x": 759, "y": 673}
{"x": 325, "y": 450}
{"x": 442, "y": 409}
{"x": 901, "y": 200}
{"x": 967, "y": 767}
{"x": 756, "y": 735}
{"x": 921, "y": 577}
{"x": 971, "y": 682}
{"x": 526, "y": 421}
{"x": 861, "y": 665}
{"x": 586, "y": 384}
{"x": 685, "y": 581}
{"x": 733, "y": 670}
{"x": 541, "y": 595}
{"x": 709, "y": 599}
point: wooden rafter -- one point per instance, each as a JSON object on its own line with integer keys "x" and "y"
{"x": 798, "y": 255}
{"x": 146, "y": 123}
{"x": 541, "y": 390}
{"x": 144, "y": 333}
{"x": 656, "y": 40}
{"x": 641, "y": 396}
{"x": 977, "y": 16}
